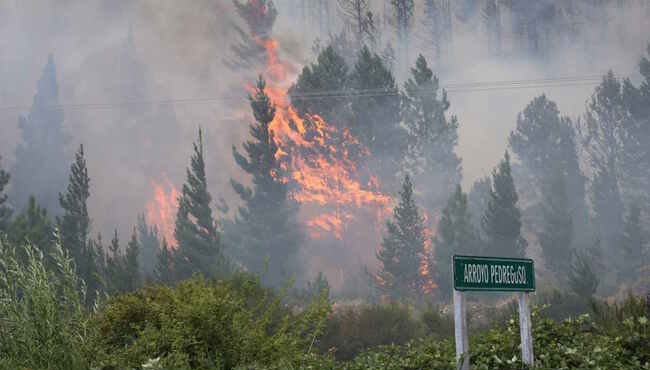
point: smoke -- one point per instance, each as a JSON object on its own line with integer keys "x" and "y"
{"x": 119, "y": 62}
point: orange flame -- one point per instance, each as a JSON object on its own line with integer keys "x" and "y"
{"x": 162, "y": 208}
{"x": 320, "y": 168}
{"x": 426, "y": 268}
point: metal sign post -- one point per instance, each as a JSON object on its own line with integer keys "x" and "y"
{"x": 472, "y": 273}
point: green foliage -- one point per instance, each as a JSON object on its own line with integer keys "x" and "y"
{"x": 432, "y": 136}
{"x": 33, "y": 226}
{"x": 352, "y": 329}
{"x": 206, "y": 325}
{"x": 150, "y": 242}
{"x": 402, "y": 248}
{"x": 583, "y": 278}
{"x": 375, "y": 120}
{"x": 266, "y": 231}
{"x": 43, "y": 324}
{"x": 199, "y": 248}
{"x": 501, "y": 222}
{"x": 571, "y": 344}
{"x": 75, "y": 225}
{"x": 164, "y": 270}
{"x": 328, "y": 74}
{"x": 5, "y": 211}
{"x": 456, "y": 235}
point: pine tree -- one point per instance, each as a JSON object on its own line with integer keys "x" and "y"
{"x": 329, "y": 74}
{"x": 199, "y": 248}
{"x": 545, "y": 143}
{"x": 131, "y": 268}
{"x": 432, "y": 135}
{"x": 115, "y": 279}
{"x": 375, "y": 120}
{"x": 150, "y": 242}
{"x": 456, "y": 235}
{"x": 478, "y": 199}
{"x": 604, "y": 125}
{"x": 164, "y": 271}
{"x": 74, "y": 225}
{"x": 5, "y": 211}
{"x": 265, "y": 228}
{"x": 403, "y": 248}
{"x": 501, "y": 222}
{"x": 33, "y": 225}
{"x": 633, "y": 244}
{"x": 39, "y": 169}
{"x": 556, "y": 235}
{"x": 583, "y": 278}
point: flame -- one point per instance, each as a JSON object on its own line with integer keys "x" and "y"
{"x": 426, "y": 268}
{"x": 317, "y": 159}
{"x": 162, "y": 208}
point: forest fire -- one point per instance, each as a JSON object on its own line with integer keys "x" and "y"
{"x": 317, "y": 158}
{"x": 162, "y": 208}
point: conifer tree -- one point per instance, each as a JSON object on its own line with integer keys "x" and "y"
{"x": 5, "y": 211}
{"x": 556, "y": 234}
{"x": 164, "y": 270}
{"x": 199, "y": 247}
{"x": 40, "y": 168}
{"x": 33, "y": 225}
{"x": 114, "y": 267}
{"x": 328, "y": 74}
{"x": 150, "y": 243}
{"x": 432, "y": 136}
{"x": 131, "y": 267}
{"x": 633, "y": 244}
{"x": 74, "y": 225}
{"x": 456, "y": 235}
{"x": 403, "y": 248}
{"x": 545, "y": 144}
{"x": 583, "y": 278}
{"x": 375, "y": 120}
{"x": 265, "y": 228}
{"x": 501, "y": 222}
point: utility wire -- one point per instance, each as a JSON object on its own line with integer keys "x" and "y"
{"x": 476, "y": 86}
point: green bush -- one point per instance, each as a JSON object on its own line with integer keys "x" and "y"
{"x": 206, "y": 325}
{"x": 352, "y": 329}
{"x": 571, "y": 344}
{"x": 43, "y": 324}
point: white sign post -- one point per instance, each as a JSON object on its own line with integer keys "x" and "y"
{"x": 460, "y": 330}
{"x": 492, "y": 274}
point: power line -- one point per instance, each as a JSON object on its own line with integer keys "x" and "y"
{"x": 474, "y": 86}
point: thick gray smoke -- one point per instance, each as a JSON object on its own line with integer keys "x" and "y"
{"x": 137, "y": 78}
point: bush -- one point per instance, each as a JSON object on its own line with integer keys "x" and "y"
{"x": 43, "y": 324}
{"x": 352, "y": 329}
{"x": 206, "y": 325}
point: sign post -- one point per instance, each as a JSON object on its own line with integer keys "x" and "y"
{"x": 472, "y": 273}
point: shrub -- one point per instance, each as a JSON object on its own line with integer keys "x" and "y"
{"x": 43, "y": 324}
{"x": 352, "y": 329}
{"x": 206, "y": 325}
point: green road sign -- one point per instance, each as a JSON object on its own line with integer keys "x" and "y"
{"x": 494, "y": 274}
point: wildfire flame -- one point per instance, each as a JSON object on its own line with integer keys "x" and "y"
{"x": 162, "y": 208}
{"x": 426, "y": 267}
{"x": 318, "y": 159}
